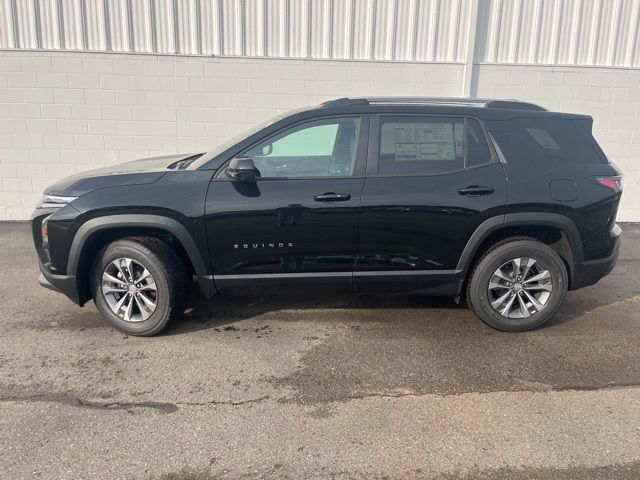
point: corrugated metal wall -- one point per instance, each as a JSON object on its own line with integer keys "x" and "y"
{"x": 565, "y": 32}
{"x": 569, "y": 32}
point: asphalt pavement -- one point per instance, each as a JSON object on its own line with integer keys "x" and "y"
{"x": 319, "y": 386}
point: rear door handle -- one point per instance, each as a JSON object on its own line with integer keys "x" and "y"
{"x": 475, "y": 190}
{"x": 332, "y": 197}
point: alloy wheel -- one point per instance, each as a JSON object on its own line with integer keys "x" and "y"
{"x": 129, "y": 289}
{"x": 520, "y": 288}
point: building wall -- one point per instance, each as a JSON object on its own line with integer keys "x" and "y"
{"x": 63, "y": 112}
{"x": 610, "y": 95}
{"x": 86, "y": 84}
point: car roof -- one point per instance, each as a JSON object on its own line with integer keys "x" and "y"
{"x": 484, "y": 108}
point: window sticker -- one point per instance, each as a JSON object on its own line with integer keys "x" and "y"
{"x": 425, "y": 141}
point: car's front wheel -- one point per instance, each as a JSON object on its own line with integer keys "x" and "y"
{"x": 138, "y": 285}
{"x": 517, "y": 285}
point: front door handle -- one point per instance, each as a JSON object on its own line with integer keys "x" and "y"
{"x": 332, "y": 197}
{"x": 475, "y": 190}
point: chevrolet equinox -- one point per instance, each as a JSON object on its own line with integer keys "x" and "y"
{"x": 498, "y": 202}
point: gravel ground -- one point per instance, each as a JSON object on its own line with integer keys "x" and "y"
{"x": 319, "y": 387}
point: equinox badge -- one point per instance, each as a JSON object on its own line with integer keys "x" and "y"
{"x": 263, "y": 245}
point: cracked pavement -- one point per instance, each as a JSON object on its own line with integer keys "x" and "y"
{"x": 319, "y": 387}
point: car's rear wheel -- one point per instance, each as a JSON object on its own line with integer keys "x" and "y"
{"x": 517, "y": 285}
{"x": 138, "y": 285}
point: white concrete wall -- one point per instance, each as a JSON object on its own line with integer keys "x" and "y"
{"x": 610, "y": 95}
{"x": 63, "y": 112}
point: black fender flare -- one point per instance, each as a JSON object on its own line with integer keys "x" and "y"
{"x": 544, "y": 219}
{"x": 170, "y": 225}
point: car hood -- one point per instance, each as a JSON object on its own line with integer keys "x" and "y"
{"x": 137, "y": 172}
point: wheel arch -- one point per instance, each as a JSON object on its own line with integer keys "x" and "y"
{"x": 557, "y": 231}
{"x": 96, "y": 233}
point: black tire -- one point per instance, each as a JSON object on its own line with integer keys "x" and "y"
{"x": 496, "y": 256}
{"x": 166, "y": 269}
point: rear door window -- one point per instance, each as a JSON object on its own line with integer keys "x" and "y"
{"x": 555, "y": 139}
{"x": 430, "y": 145}
{"x": 421, "y": 145}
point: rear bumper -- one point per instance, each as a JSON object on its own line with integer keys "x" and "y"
{"x": 65, "y": 284}
{"x": 589, "y": 272}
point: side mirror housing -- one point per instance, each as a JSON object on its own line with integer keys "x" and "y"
{"x": 242, "y": 169}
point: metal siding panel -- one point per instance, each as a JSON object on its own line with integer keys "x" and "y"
{"x": 426, "y": 31}
{"x": 72, "y": 24}
{"x": 342, "y": 29}
{"x": 548, "y": 36}
{"x": 7, "y": 35}
{"x": 95, "y": 24}
{"x": 298, "y": 28}
{"x": 629, "y": 19}
{"x": 363, "y": 29}
{"x": 49, "y": 24}
{"x": 209, "y": 27}
{"x": 254, "y": 28}
{"x": 188, "y": 27}
{"x": 384, "y": 33}
{"x": 232, "y": 35}
{"x": 142, "y": 26}
{"x": 119, "y": 26}
{"x": 565, "y": 32}
{"x": 26, "y": 22}
{"x": 320, "y": 26}
{"x": 164, "y": 28}
{"x": 406, "y": 23}
{"x": 448, "y": 31}
{"x": 277, "y": 28}
{"x": 460, "y": 53}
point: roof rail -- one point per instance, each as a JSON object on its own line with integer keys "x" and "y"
{"x": 443, "y": 101}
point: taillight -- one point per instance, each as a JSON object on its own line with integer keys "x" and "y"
{"x": 613, "y": 183}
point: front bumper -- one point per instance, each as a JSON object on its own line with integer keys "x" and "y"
{"x": 589, "y": 272}
{"x": 65, "y": 284}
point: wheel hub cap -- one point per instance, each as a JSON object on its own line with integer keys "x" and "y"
{"x": 520, "y": 288}
{"x": 129, "y": 289}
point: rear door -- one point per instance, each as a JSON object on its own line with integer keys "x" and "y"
{"x": 431, "y": 181}
{"x": 298, "y": 221}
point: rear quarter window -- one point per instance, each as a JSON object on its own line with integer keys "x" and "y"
{"x": 562, "y": 140}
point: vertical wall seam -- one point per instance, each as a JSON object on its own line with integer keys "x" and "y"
{"x": 83, "y": 26}
{"x": 36, "y": 11}
{"x": 153, "y": 27}
{"x": 352, "y": 31}
{"x": 63, "y": 43}
{"x": 220, "y": 27}
{"x": 374, "y": 9}
{"x": 176, "y": 28}
{"x": 556, "y": 53}
{"x": 199, "y": 42}
{"x": 434, "y": 46}
{"x": 107, "y": 25}
{"x": 14, "y": 23}
{"x": 414, "y": 46}
{"x": 132, "y": 41}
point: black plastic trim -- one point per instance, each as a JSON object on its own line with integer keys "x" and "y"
{"x": 493, "y": 224}
{"x": 89, "y": 228}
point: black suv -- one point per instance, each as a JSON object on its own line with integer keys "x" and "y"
{"x": 497, "y": 201}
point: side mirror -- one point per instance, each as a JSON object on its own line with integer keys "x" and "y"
{"x": 242, "y": 169}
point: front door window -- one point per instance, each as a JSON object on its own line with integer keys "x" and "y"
{"x": 322, "y": 148}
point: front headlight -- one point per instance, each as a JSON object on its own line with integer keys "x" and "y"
{"x": 53, "y": 201}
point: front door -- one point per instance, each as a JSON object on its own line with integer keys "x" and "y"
{"x": 298, "y": 221}
{"x": 432, "y": 180}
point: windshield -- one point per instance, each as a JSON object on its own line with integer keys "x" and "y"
{"x": 231, "y": 142}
